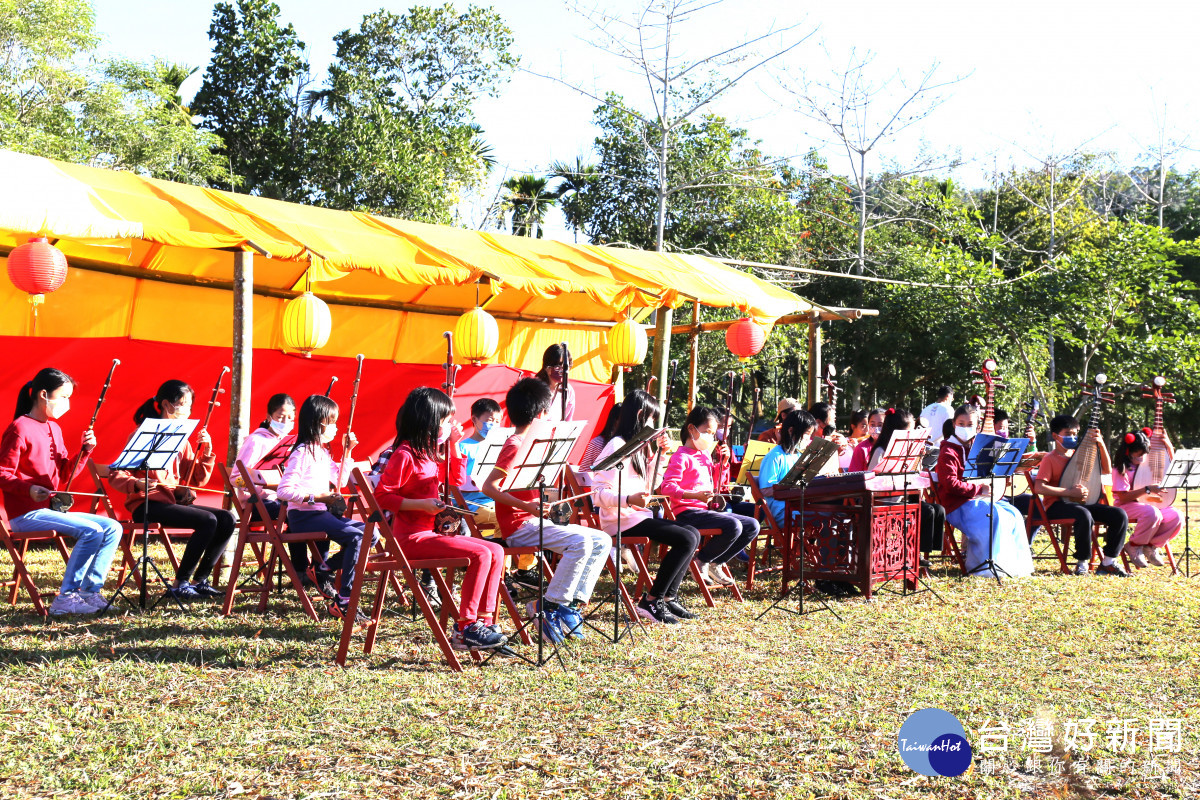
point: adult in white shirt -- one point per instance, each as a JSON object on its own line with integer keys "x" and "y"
{"x": 937, "y": 413}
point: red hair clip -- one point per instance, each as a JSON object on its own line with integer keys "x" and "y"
{"x": 1147, "y": 431}
{"x": 1130, "y": 438}
{"x": 891, "y": 411}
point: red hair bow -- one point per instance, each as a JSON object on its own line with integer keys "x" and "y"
{"x": 1147, "y": 431}
{"x": 1130, "y": 438}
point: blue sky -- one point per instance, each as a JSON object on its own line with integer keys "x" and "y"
{"x": 1038, "y": 78}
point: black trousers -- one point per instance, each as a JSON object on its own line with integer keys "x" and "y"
{"x": 211, "y": 529}
{"x": 736, "y": 533}
{"x": 933, "y": 527}
{"x": 681, "y": 542}
{"x": 1083, "y": 517}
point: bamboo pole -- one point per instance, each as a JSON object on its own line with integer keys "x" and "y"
{"x": 814, "y": 358}
{"x": 694, "y": 352}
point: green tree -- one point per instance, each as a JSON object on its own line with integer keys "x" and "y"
{"x": 398, "y": 135}
{"x": 525, "y": 202}
{"x": 250, "y": 97}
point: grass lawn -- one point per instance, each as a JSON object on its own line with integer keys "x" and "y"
{"x": 194, "y": 705}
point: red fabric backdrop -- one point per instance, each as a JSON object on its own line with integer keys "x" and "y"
{"x": 145, "y": 365}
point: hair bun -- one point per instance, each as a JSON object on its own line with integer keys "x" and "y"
{"x": 1147, "y": 431}
{"x": 1130, "y": 438}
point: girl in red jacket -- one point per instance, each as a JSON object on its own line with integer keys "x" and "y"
{"x": 211, "y": 527}
{"x": 33, "y": 465}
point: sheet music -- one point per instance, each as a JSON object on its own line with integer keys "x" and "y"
{"x": 1184, "y": 471}
{"x": 545, "y": 450}
{"x": 488, "y": 453}
{"x": 155, "y": 444}
{"x": 751, "y": 460}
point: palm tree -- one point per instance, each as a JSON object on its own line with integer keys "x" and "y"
{"x": 528, "y": 198}
{"x": 573, "y": 179}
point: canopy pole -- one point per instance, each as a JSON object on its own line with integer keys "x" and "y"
{"x": 243, "y": 350}
{"x": 662, "y": 351}
{"x": 814, "y": 358}
{"x": 694, "y": 351}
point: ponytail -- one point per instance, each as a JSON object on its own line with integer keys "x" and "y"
{"x": 48, "y": 380}
{"x": 172, "y": 391}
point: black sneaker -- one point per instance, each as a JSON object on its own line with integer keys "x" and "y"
{"x": 1113, "y": 569}
{"x": 656, "y": 611}
{"x": 677, "y": 609}
{"x": 526, "y": 578}
{"x": 338, "y": 610}
{"x": 206, "y": 590}
{"x": 323, "y": 580}
{"x": 184, "y": 591}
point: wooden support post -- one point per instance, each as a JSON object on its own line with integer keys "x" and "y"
{"x": 694, "y": 352}
{"x": 243, "y": 350}
{"x": 814, "y": 359}
{"x": 661, "y": 364}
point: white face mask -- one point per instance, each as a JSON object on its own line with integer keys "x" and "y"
{"x": 704, "y": 442}
{"x": 328, "y": 433}
{"x": 875, "y": 430}
{"x": 57, "y": 406}
{"x": 964, "y": 434}
{"x": 281, "y": 427}
{"x": 444, "y": 432}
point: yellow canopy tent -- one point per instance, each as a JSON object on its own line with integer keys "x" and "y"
{"x": 142, "y": 249}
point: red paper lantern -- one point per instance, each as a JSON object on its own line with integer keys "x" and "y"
{"x": 37, "y": 267}
{"x": 745, "y": 338}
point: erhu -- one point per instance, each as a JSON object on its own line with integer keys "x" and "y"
{"x": 721, "y": 466}
{"x": 184, "y": 495}
{"x": 831, "y": 394}
{"x": 448, "y": 520}
{"x": 61, "y": 501}
{"x": 652, "y": 474}
{"x": 337, "y": 506}
{"x": 329, "y": 389}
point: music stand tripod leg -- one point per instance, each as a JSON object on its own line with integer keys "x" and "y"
{"x": 803, "y": 484}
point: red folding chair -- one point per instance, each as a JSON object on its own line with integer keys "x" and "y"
{"x": 587, "y": 514}
{"x": 112, "y": 503}
{"x": 694, "y": 569}
{"x": 951, "y": 548}
{"x": 772, "y": 538}
{"x": 16, "y": 543}
{"x": 382, "y": 563}
{"x": 274, "y": 540}
{"x": 252, "y": 534}
{"x": 1061, "y": 532}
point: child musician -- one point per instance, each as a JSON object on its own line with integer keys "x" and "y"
{"x": 485, "y": 415}
{"x": 600, "y": 439}
{"x": 583, "y": 549}
{"x": 1154, "y": 525}
{"x": 309, "y": 484}
{"x": 795, "y": 433}
{"x": 933, "y": 516}
{"x": 1074, "y": 503}
{"x": 211, "y": 527}
{"x": 826, "y": 416}
{"x": 34, "y": 461}
{"x": 688, "y": 482}
{"x": 409, "y": 488}
{"x": 555, "y": 363}
{"x": 629, "y": 506}
{"x": 862, "y": 450}
{"x": 969, "y": 508}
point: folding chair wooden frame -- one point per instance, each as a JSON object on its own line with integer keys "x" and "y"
{"x": 251, "y": 533}
{"x": 587, "y": 515}
{"x": 694, "y": 569}
{"x": 950, "y": 544}
{"x": 17, "y": 545}
{"x": 112, "y": 503}
{"x": 1039, "y": 518}
{"x": 382, "y": 563}
{"x": 772, "y": 536}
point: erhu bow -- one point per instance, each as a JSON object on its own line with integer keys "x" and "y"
{"x": 338, "y": 506}
{"x": 184, "y": 495}
{"x": 61, "y": 501}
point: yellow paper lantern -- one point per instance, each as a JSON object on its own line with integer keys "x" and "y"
{"x": 307, "y": 323}
{"x": 627, "y": 343}
{"x": 476, "y": 336}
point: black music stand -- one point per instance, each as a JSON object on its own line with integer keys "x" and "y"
{"x": 993, "y": 457}
{"x": 616, "y": 460}
{"x": 807, "y": 467}
{"x": 1184, "y": 474}
{"x": 152, "y": 447}
{"x": 545, "y": 451}
{"x": 902, "y": 460}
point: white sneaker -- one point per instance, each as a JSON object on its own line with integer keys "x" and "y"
{"x": 69, "y": 603}
{"x": 1135, "y": 556}
{"x": 720, "y": 573}
{"x": 628, "y": 559}
{"x": 702, "y": 567}
{"x": 1152, "y": 556}
{"x": 95, "y": 600}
